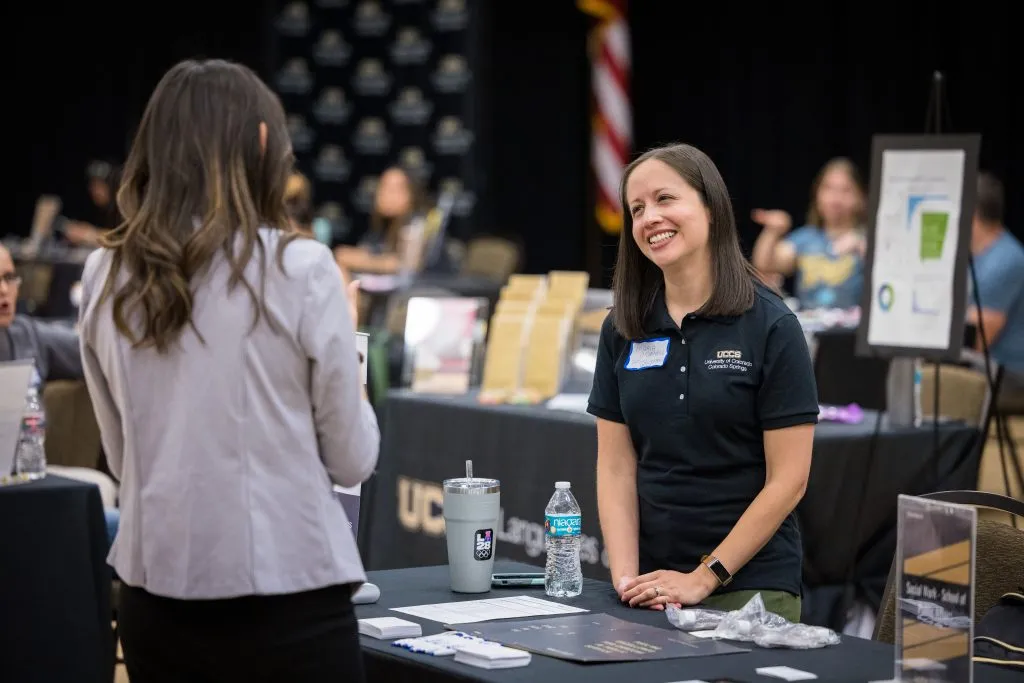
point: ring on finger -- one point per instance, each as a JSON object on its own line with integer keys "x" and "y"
{"x": 657, "y": 591}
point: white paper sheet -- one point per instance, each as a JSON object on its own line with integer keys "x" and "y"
{"x": 473, "y": 611}
{"x": 14, "y": 379}
{"x": 786, "y": 673}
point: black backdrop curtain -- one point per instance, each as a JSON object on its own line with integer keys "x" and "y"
{"x": 84, "y": 71}
{"x": 535, "y": 121}
{"x": 771, "y": 94}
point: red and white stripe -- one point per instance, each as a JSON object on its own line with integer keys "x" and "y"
{"x": 613, "y": 119}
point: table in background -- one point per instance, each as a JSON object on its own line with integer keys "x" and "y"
{"x": 847, "y": 516}
{"x": 54, "y": 584}
{"x": 853, "y": 659}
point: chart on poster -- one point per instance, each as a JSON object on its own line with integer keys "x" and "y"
{"x": 915, "y": 249}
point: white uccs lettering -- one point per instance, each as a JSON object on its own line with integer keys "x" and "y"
{"x": 420, "y": 506}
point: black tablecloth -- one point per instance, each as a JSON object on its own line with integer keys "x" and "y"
{"x": 847, "y": 516}
{"x": 852, "y": 660}
{"x": 54, "y": 584}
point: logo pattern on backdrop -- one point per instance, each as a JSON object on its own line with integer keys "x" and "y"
{"x": 368, "y": 84}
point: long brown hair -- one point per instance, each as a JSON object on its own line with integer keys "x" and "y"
{"x": 198, "y": 181}
{"x": 850, "y": 169}
{"x": 388, "y": 228}
{"x": 637, "y": 279}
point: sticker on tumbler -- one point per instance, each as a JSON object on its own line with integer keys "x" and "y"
{"x": 562, "y": 525}
{"x": 483, "y": 544}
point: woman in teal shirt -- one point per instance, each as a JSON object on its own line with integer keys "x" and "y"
{"x": 827, "y": 254}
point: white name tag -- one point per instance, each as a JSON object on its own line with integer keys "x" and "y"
{"x": 647, "y": 354}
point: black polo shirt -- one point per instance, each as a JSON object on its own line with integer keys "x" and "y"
{"x": 697, "y": 400}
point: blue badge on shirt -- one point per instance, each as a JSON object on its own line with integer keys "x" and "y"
{"x": 651, "y": 353}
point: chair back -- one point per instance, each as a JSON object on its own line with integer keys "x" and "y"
{"x": 72, "y": 434}
{"x": 492, "y": 257}
{"x": 36, "y": 277}
{"x": 963, "y": 393}
{"x": 998, "y": 552}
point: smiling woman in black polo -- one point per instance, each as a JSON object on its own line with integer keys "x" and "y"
{"x": 705, "y": 400}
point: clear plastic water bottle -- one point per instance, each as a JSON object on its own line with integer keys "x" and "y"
{"x": 31, "y": 458}
{"x": 563, "y": 576}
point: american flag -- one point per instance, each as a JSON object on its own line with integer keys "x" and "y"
{"x": 612, "y": 120}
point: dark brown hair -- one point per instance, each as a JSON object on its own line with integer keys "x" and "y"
{"x": 197, "y": 182}
{"x": 390, "y": 227}
{"x": 298, "y": 201}
{"x": 638, "y": 280}
{"x": 850, "y": 169}
{"x": 989, "y": 204}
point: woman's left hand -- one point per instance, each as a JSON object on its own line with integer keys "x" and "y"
{"x": 850, "y": 243}
{"x": 665, "y": 587}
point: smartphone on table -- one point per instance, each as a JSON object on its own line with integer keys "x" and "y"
{"x": 517, "y": 580}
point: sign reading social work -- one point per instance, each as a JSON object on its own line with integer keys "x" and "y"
{"x": 920, "y": 209}
{"x": 934, "y": 590}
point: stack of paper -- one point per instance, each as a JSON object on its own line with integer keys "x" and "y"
{"x": 490, "y": 656}
{"x": 532, "y": 332}
{"x": 389, "y": 628}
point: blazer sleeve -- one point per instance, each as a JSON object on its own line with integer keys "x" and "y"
{"x": 108, "y": 417}
{"x": 346, "y": 425}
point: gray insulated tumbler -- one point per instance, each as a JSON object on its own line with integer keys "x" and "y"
{"x": 471, "y": 508}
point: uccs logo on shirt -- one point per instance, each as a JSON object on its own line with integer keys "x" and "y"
{"x": 728, "y": 360}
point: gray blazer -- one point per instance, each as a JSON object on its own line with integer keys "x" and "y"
{"x": 53, "y": 346}
{"x": 226, "y": 448}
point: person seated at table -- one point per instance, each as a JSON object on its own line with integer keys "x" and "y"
{"x": 53, "y": 346}
{"x": 705, "y": 402}
{"x": 397, "y": 238}
{"x": 221, "y": 357}
{"x": 104, "y": 178}
{"x": 827, "y": 254}
{"x": 999, "y": 267}
{"x": 298, "y": 201}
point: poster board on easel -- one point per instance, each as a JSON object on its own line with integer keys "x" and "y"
{"x": 921, "y": 203}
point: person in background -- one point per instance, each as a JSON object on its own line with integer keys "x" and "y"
{"x": 298, "y": 201}
{"x": 397, "y": 236}
{"x": 999, "y": 267}
{"x": 705, "y": 402}
{"x": 827, "y": 254}
{"x": 103, "y": 178}
{"x": 53, "y": 346}
{"x": 220, "y": 352}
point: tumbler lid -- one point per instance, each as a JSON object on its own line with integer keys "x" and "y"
{"x": 471, "y": 486}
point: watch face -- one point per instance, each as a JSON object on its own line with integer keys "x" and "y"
{"x": 719, "y": 570}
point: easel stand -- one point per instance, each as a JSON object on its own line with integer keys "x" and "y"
{"x": 938, "y": 105}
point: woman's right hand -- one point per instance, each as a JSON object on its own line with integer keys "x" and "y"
{"x": 773, "y": 220}
{"x": 353, "y": 302}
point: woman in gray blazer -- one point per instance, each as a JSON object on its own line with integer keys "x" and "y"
{"x": 219, "y": 349}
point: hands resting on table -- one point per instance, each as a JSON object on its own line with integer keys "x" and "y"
{"x": 666, "y": 587}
